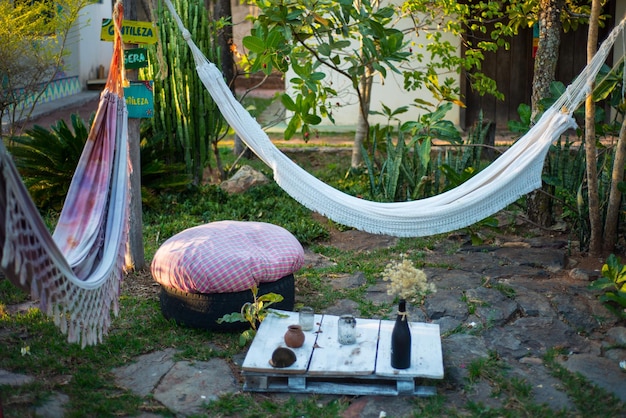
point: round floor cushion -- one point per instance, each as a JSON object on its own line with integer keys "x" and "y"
{"x": 208, "y": 271}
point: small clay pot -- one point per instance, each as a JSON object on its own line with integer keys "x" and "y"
{"x": 294, "y": 337}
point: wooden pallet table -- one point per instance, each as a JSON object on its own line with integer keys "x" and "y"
{"x": 325, "y": 366}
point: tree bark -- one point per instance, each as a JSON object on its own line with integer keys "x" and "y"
{"x": 538, "y": 204}
{"x": 363, "y": 127}
{"x": 615, "y": 196}
{"x": 595, "y": 239}
{"x": 135, "y": 256}
{"x": 223, "y": 9}
{"x": 547, "y": 51}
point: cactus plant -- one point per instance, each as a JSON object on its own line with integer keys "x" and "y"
{"x": 183, "y": 109}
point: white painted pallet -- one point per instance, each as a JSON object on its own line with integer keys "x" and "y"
{"x": 325, "y": 366}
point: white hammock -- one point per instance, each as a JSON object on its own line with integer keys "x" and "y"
{"x": 513, "y": 174}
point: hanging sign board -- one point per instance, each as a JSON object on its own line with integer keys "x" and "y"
{"x": 535, "y": 39}
{"x": 133, "y": 31}
{"x": 139, "y": 99}
{"x": 135, "y": 58}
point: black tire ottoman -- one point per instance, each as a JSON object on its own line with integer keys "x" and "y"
{"x": 207, "y": 271}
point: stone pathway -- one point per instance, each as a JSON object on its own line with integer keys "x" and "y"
{"x": 517, "y": 299}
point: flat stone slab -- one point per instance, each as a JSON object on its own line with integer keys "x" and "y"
{"x": 533, "y": 336}
{"x": 14, "y": 379}
{"x": 142, "y": 376}
{"x": 379, "y": 406}
{"x": 360, "y": 241}
{"x": 550, "y": 259}
{"x": 600, "y": 371}
{"x": 531, "y": 303}
{"x": 347, "y": 281}
{"x": 187, "y": 386}
{"x": 546, "y": 389}
{"x": 449, "y": 303}
{"x": 54, "y": 407}
{"x": 459, "y": 350}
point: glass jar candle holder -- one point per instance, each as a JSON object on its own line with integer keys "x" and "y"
{"x": 346, "y": 330}
{"x": 306, "y": 318}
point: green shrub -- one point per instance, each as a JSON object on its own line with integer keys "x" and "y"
{"x": 209, "y": 203}
{"x": 613, "y": 285}
{"x": 399, "y": 163}
{"x": 47, "y": 159}
{"x": 158, "y": 175}
{"x": 565, "y": 168}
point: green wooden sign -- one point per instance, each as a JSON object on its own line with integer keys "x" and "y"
{"x": 133, "y": 32}
{"x": 135, "y": 58}
{"x": 140, "y": 99}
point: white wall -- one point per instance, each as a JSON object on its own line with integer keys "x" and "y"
{"x": 389, "y": 92}
{"x": 88, "y": 52}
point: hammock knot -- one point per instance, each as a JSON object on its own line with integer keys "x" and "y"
{"x": 186, "y": 35}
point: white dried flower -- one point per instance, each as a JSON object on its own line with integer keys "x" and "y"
{"x": 622, "y": 365}
{"x": 407, "y": 282}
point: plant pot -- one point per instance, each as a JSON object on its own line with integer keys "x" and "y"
{"x": 294, "y": 337}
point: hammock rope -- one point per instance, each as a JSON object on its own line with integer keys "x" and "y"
{"x": 512, "y": 175}
{"x": 76, "y": 272}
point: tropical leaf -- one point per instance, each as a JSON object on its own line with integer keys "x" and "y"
{"x": 254, "y": 44}
{"x": 47, "y": 159}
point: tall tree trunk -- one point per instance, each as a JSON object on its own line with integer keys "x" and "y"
{"x": 363, "y": 127}
{"x": 615, "y": 196}
{"x": 223, "y": 9}
{"x": 135, "y": 256}
{"x": 547, "y": 51}
{"x": 539, "y": 205}
{"x": 595, "y": 239}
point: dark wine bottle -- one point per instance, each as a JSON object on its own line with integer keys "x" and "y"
{"x": 401, "y": 340}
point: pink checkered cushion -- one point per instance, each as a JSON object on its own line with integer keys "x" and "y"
{"x": 226, "y": 256}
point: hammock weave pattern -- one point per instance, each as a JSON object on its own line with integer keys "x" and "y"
{"x": 75, "y": 272}
{"x": 514, "y": 174}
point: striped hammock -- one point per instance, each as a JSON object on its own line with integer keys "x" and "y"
{"x": 75, "y": 273}
{"x": 514, "y": 174}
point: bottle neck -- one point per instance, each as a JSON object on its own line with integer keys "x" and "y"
{"x": 402, "y": 313}
{"x": 402, "y": 305}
